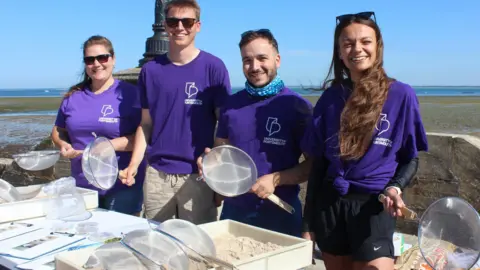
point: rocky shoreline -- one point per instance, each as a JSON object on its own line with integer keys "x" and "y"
{"x": 17, "y": 176}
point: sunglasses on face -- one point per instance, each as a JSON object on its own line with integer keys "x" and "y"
{"x": 259, "y": 31}
{"x": 101, "y": 58}
{"x": 367, "y": 15}
{"x": 186, "y": 22}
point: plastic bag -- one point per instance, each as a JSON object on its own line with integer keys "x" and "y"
{"x": 65, "y": 202}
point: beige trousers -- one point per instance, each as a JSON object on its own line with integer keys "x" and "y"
{"x": 179, "y": 196}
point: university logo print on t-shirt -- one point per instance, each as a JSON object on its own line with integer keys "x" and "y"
{"x": 273, "y": 127}
{"x": 383, "y": 125}
{"x": 191, "y": 90}
{"x": 106, "y": 111}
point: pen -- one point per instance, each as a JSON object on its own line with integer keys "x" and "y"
{"x": 64, "y": 233}
{"x": 84, "y": 246}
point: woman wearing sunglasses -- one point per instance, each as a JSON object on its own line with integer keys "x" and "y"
{"x": 101, "y": 106}
{"x": 365, "y": 136}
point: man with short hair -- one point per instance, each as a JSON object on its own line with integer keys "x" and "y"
{"x": 267, "y": 121}
{"x": 181, "y": 92}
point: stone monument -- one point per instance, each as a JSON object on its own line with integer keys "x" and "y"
{"x": 154, "y": 46}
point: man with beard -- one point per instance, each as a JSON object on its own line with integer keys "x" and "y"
{"x": 267, "y": 121}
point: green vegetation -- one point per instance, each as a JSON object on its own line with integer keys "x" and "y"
{"x": 29, "y": 104}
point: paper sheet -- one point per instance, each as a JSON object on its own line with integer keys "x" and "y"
{"x": 35, "y": 244}
{"x": 47, "y": 261}
{"x": 12, "y": 229}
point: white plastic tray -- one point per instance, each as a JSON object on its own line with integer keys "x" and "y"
{"x": 295, "y": 254}
{"x": 33, "y": 208}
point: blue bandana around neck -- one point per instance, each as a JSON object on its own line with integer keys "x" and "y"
{"x": 271, "y": 89}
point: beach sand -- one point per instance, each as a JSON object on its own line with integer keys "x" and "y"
{"x": 440, "y": 114}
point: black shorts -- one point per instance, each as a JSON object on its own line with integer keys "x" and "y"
{"x": 353, "y": 225}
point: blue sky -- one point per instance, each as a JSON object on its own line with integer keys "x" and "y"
{"x": 426, "y": 42}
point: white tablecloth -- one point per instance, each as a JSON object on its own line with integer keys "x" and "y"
{"x": 112, "y": 222}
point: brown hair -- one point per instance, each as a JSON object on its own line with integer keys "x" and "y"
{"x": 93, "y": 40}
{"x": 363, "y": 108}
{"x": 182, "y": 4}
{"x": 251, "y": 35}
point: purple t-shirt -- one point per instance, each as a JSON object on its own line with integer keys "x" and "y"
{"x": 182, "y": 102}
{"x": 398, "y": 137}
{"x": 110, "y": 114}
{"x": 270, "y": 131}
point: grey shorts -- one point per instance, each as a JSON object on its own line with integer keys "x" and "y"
{"x": 168, "y": 196}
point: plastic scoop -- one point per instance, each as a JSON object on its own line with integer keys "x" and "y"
{"x": 99, "y": 163}
{"x": 229, "y": 171}
{"x": 37, "y": 160}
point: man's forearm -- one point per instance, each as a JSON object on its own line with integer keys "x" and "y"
{"x": 142, "y": 136}
{"x": 295, "y": 175}
{"x": 124, "y": 143}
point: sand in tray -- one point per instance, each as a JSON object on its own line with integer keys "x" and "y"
{"x": 230, "y": 248}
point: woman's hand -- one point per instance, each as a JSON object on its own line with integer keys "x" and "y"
{"x": 67, "y": 151}
{"x": 393, "y": 202}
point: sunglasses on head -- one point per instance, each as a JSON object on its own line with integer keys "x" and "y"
{"x": 101, "y": 58}
{"x": 259, "y": 31}
{"x": 367, "y": 15}
{"x": 186, "y": 22}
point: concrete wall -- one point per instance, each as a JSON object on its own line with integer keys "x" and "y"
{"x": 450, "y": 168}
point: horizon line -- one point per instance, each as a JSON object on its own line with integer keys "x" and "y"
{"x": 242, "y": 86}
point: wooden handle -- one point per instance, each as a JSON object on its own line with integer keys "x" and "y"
{"x": 285, "y": 206}
{"x": 406, "y": 212}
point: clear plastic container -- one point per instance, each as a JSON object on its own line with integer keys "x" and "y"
{"x": 65, "y": 203}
